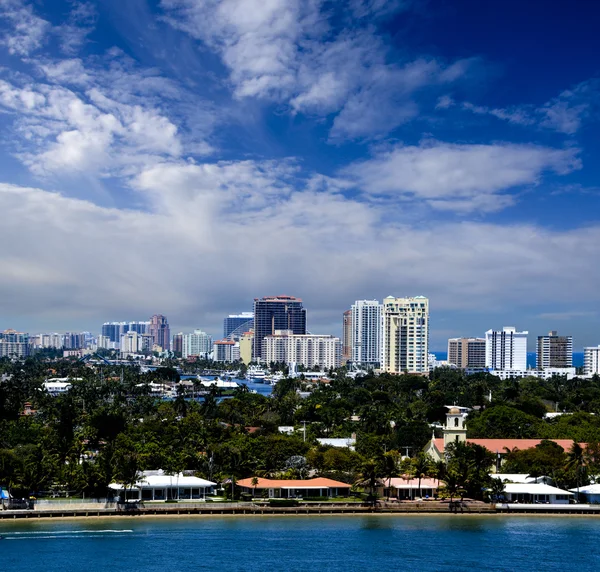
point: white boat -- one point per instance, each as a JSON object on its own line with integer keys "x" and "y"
{"x": 219, "y": 383}
{"x": 256, "y": 373}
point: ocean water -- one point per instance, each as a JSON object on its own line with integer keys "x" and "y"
{"x": 577, "y": 358}
{"x": 298, "y": 544}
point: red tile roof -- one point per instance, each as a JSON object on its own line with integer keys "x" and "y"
{"x": 320, "y": 483}
{"x": 500, "y": 445}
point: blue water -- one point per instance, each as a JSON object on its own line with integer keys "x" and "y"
{"x": 297, "y": 544}
{"x": 577, "y": 358}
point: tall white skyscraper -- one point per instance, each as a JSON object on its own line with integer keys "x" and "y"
{"x": 405, "y": 335}
{"x": 506, "y": 349}
{"x": 198, "y": 343}
{"x": 591, "y": 360}
{"x": 366, "y": 332}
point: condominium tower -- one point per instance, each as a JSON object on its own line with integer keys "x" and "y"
{"x": 160, "y": 331}
{"x": 347, "y": 336}
{"x": 405, "y": 335}
{"x": 308, "y": 350}
{"x": 554, "y": 351}
{"x": 591, "y": 360}
{"x": 466, "y": 352}
{"x": 366, "y": 332}
{"x": 197, "y": 344}
{"x": 235, "y": 325}
{"x": 276, "y": 313}
{"x": 506, "y": 349}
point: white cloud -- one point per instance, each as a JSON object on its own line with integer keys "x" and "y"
{"x": 80, "y": 23}
{"x": 285, "y": 51}
{"x": 206, "y": 249}
{"x": 459, "y": 177}
{"x": 24, "y": 32}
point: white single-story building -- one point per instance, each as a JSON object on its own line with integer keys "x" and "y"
{"x": 521, "y": 478}
{"x": 408, "y": 489}
{"x": 534, "y": 493}
{"x": 589, "y": 493}
{"x": 288, "y": 488}
{"x": 158, "y": 486}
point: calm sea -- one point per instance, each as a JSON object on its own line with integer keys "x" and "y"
{"x": 297, "y": 544}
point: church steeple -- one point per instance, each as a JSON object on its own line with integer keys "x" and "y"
{"x": 455, "y": 429}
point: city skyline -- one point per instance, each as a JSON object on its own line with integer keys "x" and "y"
{"x": 157, "y": 159}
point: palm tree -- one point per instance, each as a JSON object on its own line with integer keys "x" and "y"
{"x": 368, "y": 477}
{"x": 421, "y": 467}
{"x": 452, "y": 482}
{"x": 577, "y": 460}
{"x": 254, "y": 485}
{"x": 497, "y": 488}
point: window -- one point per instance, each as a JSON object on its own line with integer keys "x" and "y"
{"x": 456, "y": 422}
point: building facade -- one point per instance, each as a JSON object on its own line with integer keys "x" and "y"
{"x": 273, "y": 313}
{"x": 405, "y": 335}
{"x": 177, "y": 345}
{"x": 235, "y": 325}
{"x": 246, "y": 343}
{"x": 197, "y": 344}
{"x": 554, "y": 351}
{"x": 226, "y": 351}
{"x": 14, "y": 344}
{"x": 466, "y": 352}
{"x": 366, "y": 332}
{"x": 114, "y": 330}
{"x": 506, "y": 349}
{"x": 347, "y": 336}
{"x": 591, "y": 360}
{"x": 160, "y": 331}
{"x": 308, "y": 350}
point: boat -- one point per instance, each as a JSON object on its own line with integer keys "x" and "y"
{"x": 219, "y": 383}
{"x": 256, "y": 373}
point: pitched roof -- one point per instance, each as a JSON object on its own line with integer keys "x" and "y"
{"x": 499, "y": 445}
{"x": 320, "y": 483}
{"x": 534, "y": 489}
{"x": 401, "y": 483}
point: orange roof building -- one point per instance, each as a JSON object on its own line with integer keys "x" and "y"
{"x": 294, "y": 488}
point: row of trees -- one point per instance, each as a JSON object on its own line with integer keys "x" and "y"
{"x": 108, "y": 427}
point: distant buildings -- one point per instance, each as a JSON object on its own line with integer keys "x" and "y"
{"x": 506, "y": 349}
{"x": 133, "y": 343}
{"x": 196, "y": 344}
{"x": 160, "y": 332}
{"x": 14, "y": 344}
{"x": 554, "y": 351}
{"x": 591, "y": 360}
{"x": 308, "y": 350}
{"x": 177, "y": 345}
{"x": 273, "y": 313}
{"x": 246, "y": 343}
{"x": 226, "y": 351}
{"x": 235, "y": 325}
{"x": 114, "y": 330}
{"x": 405, "y": 336}
{"x": 366, "y": 332}
{"x": 466, "y": 352}
{"x": 347, "y": 336}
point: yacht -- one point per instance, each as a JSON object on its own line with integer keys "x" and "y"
{"x": 256, "y": 373}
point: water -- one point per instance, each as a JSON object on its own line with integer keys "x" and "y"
{"x": 577, "y": 358}
{"x": 297, "y": 544}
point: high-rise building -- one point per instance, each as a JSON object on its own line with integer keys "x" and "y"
{"x": 114, "y": 330}
{"x": 554, "y": 351}
{"x": 466, "y": 352}
{"x": 591, "y": 360}
{"x": 276, "y": 313}
{"x": 366, "y": 332}
{"x": 14, "y": 344}
{"x": 308, "y": 350}
{"x": 160, "y": 331}
{"x": 506, "y": 349}
{"x": 405, "y": 336}
{"x": 226, "y": 351}
{"x": 178, "y": 343}
{"x": 235, "y": 325}
{"x": 197, "y": 344}
{"x": 347, "y": 336}
{"x": 246, "y": 342}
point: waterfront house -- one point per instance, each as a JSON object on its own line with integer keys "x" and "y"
{"x": 403, "y": 488}
{"x": 158, "y": 486}
{"x": 288, "y": 488}
{"x": 535, "y": 493}
{"x": 588, "y": 493}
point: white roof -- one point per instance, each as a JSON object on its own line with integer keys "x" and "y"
{"x": 588, "y": 490}
{"x": 533, "y": 489}
{"x": 158, "y": 479}
{"x": 519, "y": 478}
{"x": 336, "y": 442}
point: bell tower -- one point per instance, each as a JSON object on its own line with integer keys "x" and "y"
{"x": 455, "y": 429}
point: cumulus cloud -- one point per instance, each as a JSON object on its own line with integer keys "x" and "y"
{"x": 23, "y": 31}
{"x": 286, "y": 51}
{"x": 200, "y": 257}
{"x": 459, "y": 177}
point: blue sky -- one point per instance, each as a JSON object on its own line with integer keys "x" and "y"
{"x": 186, "y": 156}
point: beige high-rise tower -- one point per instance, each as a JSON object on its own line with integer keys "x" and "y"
{"x": 405, "y": 336}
